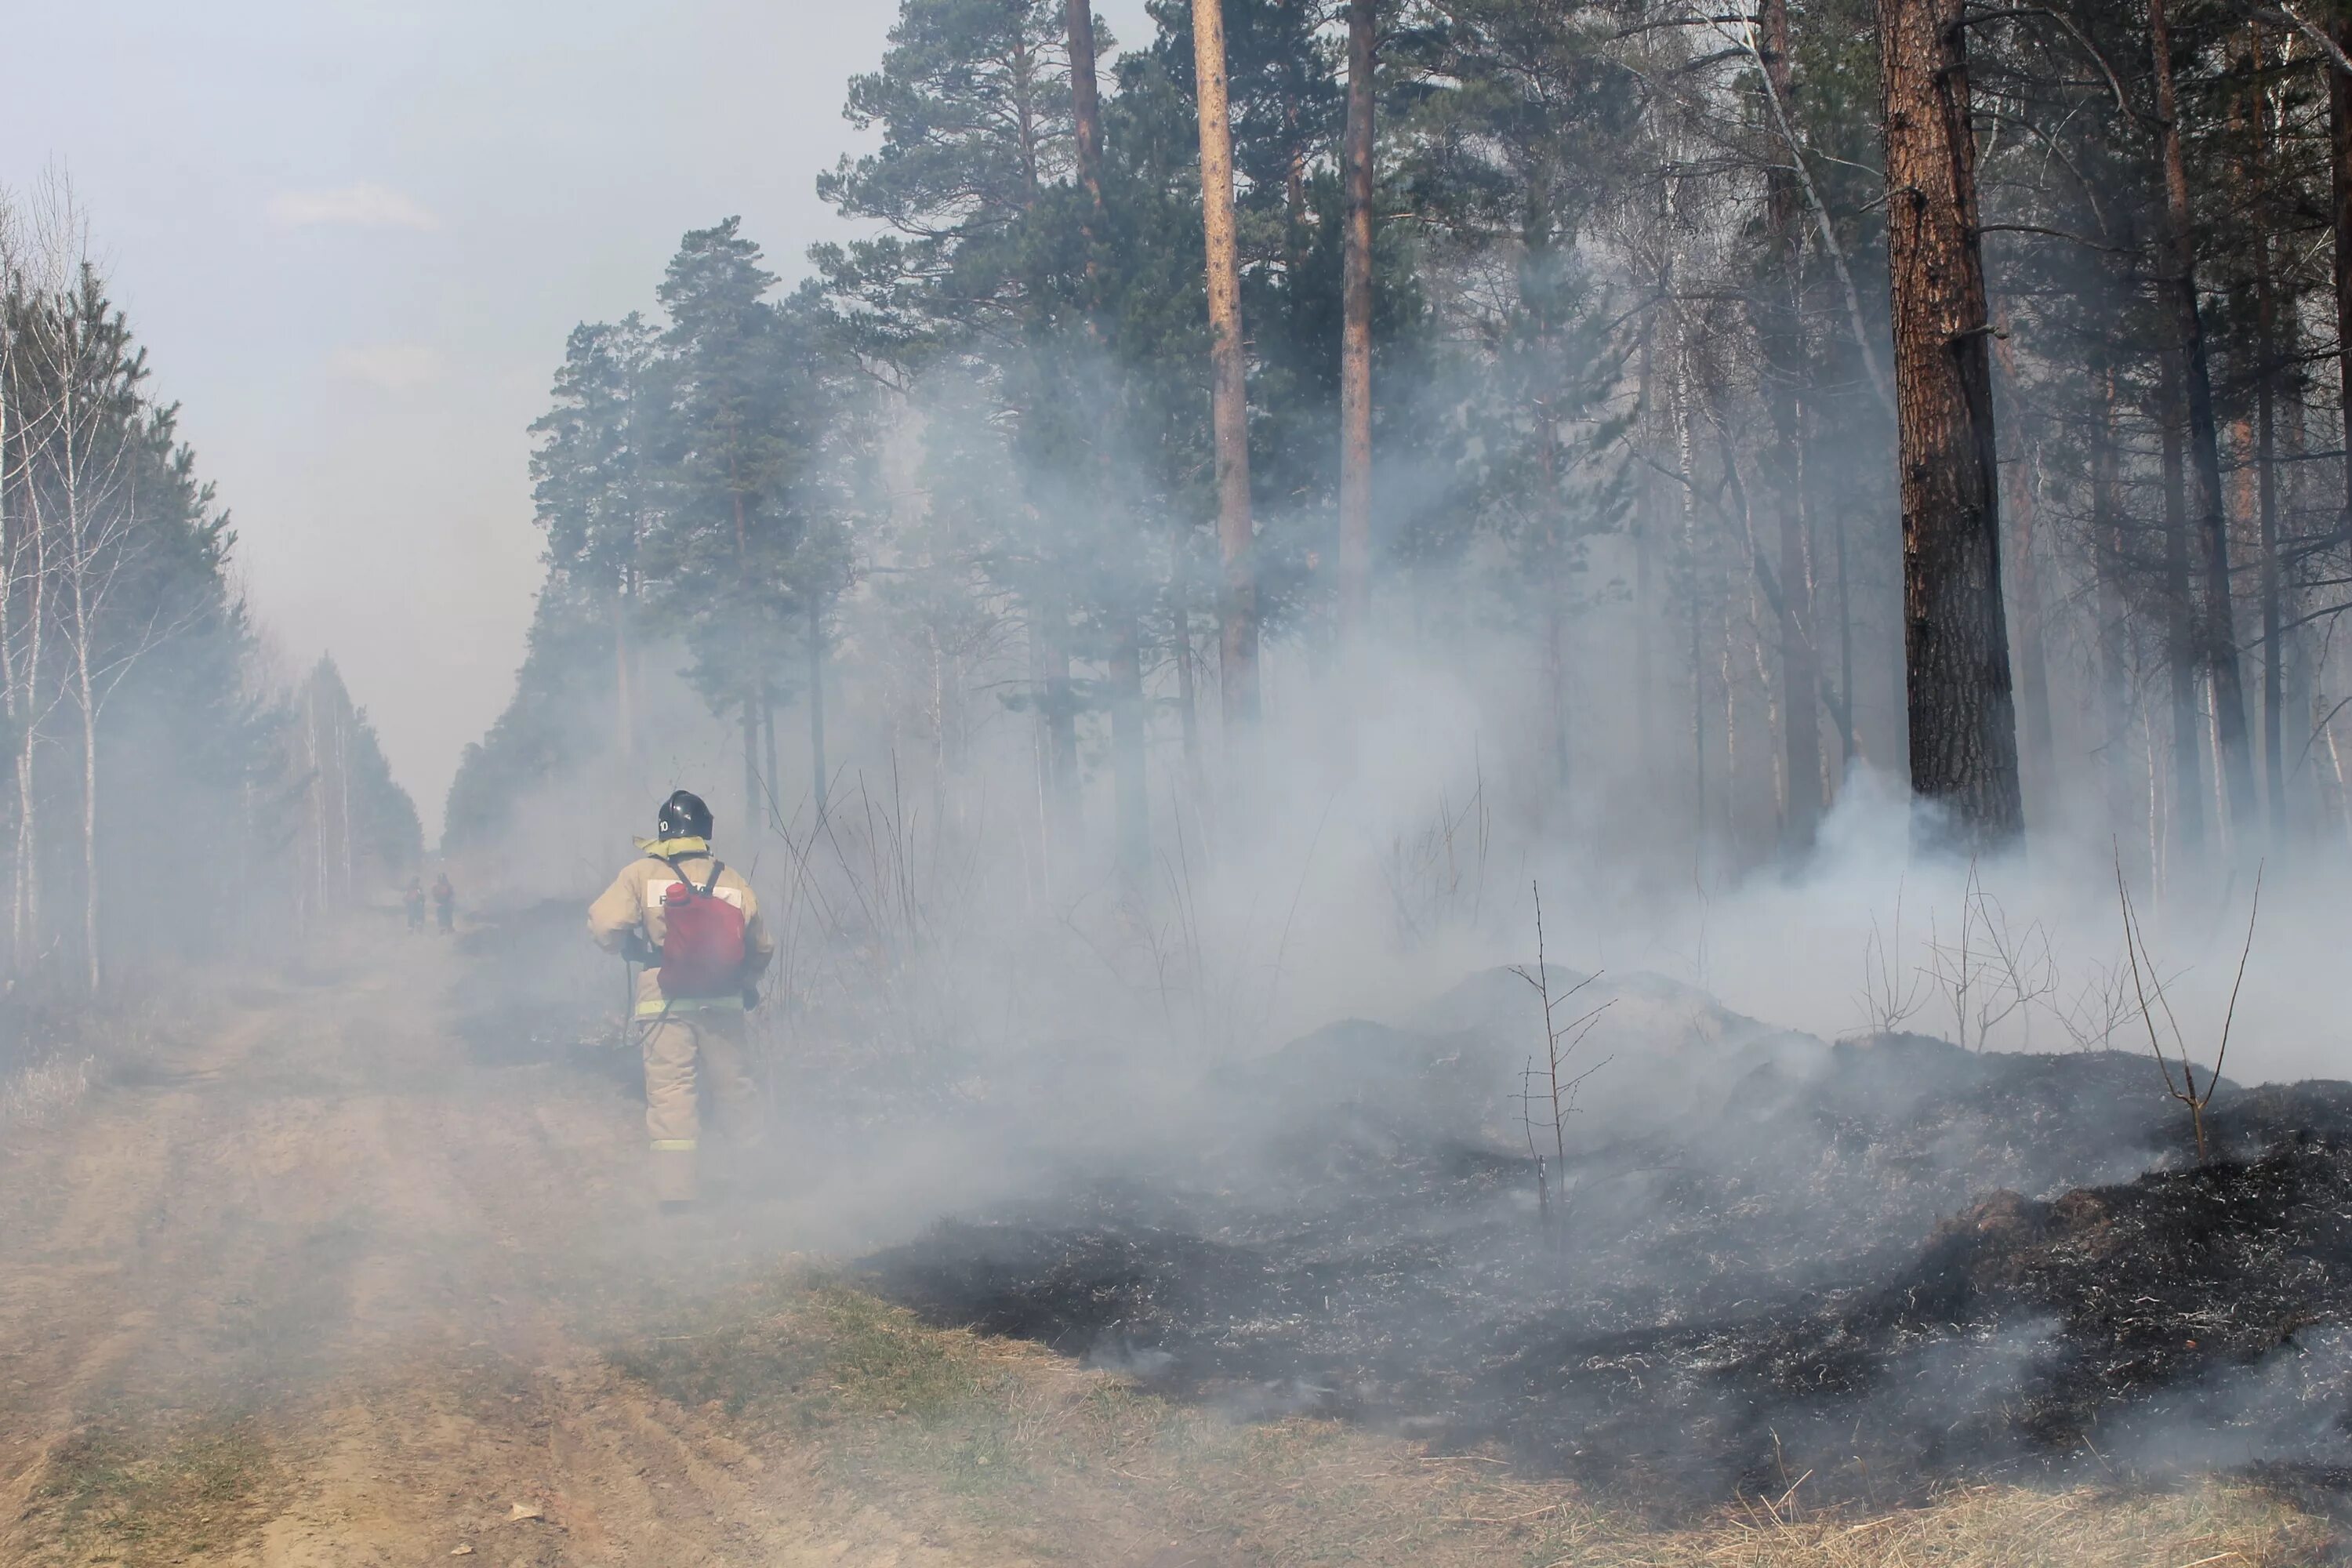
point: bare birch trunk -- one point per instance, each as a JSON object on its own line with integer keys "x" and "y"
{"x": 29, "y": 738}
{"x": 15, "y": 708}
{"x": 1784, "y": 352}
{"x": 2339, "y": 163}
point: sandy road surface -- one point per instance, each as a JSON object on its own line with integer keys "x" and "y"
{"x": 323, "y": 1288}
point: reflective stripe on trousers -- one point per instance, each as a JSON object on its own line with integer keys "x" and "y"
{"x": 683, "y": 1052}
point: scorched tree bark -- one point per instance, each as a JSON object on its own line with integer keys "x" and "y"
{"x": 1956, "y": 640}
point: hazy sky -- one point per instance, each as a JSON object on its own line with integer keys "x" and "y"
{"x": 354, "y": 234}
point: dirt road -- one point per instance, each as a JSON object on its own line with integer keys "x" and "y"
{"x": 322, "y": 1287}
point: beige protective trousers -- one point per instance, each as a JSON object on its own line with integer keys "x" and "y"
{"x": 682, "y": 1051}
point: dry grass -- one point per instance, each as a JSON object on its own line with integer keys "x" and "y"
{"x": 1011, "y": 1450}
{"x": 122, "y": 1492}
{"x": 44, "y": 1093}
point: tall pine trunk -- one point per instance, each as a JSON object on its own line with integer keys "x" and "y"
{"x": 2266, "y": 358}
{"x": 2037, "y": 748}
{"x": 1085, "y": 98}
{"x": 1062, "y": 727}
{"x": 1131, "y": 795}
{"x": 1236, "y": 534}
{"x": 2205, "y": 500}
{"x": 2272, "y": 613}
{"x": 1356, "y": 333}
{"x": 2182, "y": 653}
{"x": 1132, "y": 809}
{"x": 2107, "y": 563}
{"x": 819, "y": 782}
{"x": 755, "y": 808}
{"x": 1962, "y": 713}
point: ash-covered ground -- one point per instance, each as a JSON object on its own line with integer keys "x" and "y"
{"x": 1869, "y": 1267}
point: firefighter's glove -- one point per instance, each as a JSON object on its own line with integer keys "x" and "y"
{"x": 637, "y": 950}
{"x": 751, "y": 998}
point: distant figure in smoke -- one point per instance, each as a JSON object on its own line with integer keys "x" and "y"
{"x": 694, "y": 925}
{"x": 445, "y": 904}
{"x": 414, "y": 900}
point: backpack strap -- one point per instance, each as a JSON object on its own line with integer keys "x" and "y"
{"x": 717, "y": 866}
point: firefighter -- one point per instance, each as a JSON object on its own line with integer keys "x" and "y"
{"x": 445, "y": 904}
{"x": 694, "y": 923}
{"x": 415, "y": 901}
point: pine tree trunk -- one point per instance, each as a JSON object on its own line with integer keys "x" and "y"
{"x": 820, "y": 781}
{"x": 2267, "y": 354}
{"x": 1131, "y": 799}
{"x": 1085, "y": 96}
{"x": 1647, "y": 525}
{"x": 1236, "y": 535}
{"x": 2205, "y": 501}
{"x": 1187, "y": 696}
{"x": 1702, "y": 828}
{"x": 624, "y": 719}
{"x": 2181, "y": 645}
{"x": 1848, "y": 724}
{"x": 2037, "y": 748}
{"x": 1961, "y": 710}
{"x": 1061, "y": 732}
{"x": 2107, "y": 563}
{"x": 1356, "y": 333}
{"x": 2266, "y": 467}
{"x": 1133, "y": 805}
{"x": 753, "y": 808}
{"x": 774, "y": 776}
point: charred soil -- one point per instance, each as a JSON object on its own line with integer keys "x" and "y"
{"x": 1883, "y": 1265}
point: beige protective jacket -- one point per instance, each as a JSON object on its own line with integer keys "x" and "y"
{"x": 634, "y": 903}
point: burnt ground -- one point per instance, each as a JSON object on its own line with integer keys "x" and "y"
{"x": 1878, "y": 1265}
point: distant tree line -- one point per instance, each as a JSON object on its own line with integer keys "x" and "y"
{"x": 160, "y": 797}
{"x": 1957, "y": 391}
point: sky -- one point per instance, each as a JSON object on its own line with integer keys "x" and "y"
{"x": 352, "y": 234}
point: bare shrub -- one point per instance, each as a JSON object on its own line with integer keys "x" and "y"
{"x": 1556, "y": 1084}
{"x": 1436, "y": 875}
{"x": 2183, "y": 1087}
{"x": 1891, "y": 994}
{"x": 1988, "y": 972}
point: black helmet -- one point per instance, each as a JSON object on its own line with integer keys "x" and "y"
{"x": 683, "y": 815}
